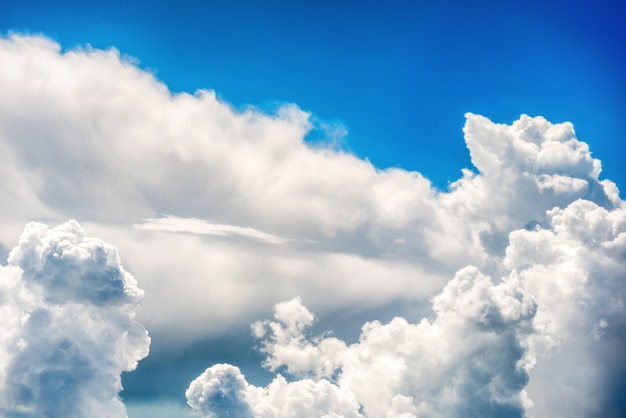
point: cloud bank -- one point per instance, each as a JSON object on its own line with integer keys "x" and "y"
{"x": 85, "y": 134}
{"x": 551, "y": 331}
{"x": 527, "y": 344}
{"x": 68, "y": 329}
{"x": 520, "y": 263}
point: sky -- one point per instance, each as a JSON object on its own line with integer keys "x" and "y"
{"x": 274, "y": 209}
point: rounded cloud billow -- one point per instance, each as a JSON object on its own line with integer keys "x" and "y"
{"x": 68, "y": 327}
{"x": 502, "y": 295}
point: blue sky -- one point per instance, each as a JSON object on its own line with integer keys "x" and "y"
{"x": 399, "y": 76}
{"x": 226, "y": 219}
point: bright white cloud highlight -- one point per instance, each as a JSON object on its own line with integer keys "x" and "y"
{"x": 68, "y": 329}
{"x": 198, "y": 226}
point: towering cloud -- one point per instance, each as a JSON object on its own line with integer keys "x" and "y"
{"x": 68, "y": 330}
{"x": 576, "y": 270}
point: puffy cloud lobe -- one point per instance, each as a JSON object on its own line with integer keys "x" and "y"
{"x": 286, "y": 344}
{"x": 524, "y": 170}
{"x": 73, "y": 268}
{"x": 222, "y": 391}
{"x": 69, "y": 331}
{"x": 576, "y": 271}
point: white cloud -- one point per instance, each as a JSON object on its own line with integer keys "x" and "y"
{"x": 527, "y": 346}
{"x": 68, "y": 329}
{"x": 85, "y": 134}
{"x": 575, "y": 269}
{"x": 89, "y": 136}
{"x": 470, "y": 360}
{"x": 223, "y": 391}
{"x": 286, "y": 344}
{"x": 111, "y": 146}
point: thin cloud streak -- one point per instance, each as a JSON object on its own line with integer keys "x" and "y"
{"x": 202, "y": 227}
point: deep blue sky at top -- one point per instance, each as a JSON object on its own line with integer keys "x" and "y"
{"x": 398, "y": 74}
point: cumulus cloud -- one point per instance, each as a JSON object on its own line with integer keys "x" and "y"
{"x": 112, "y": 146}
{"x": 470, "y": 360}
{"x": 576, "y": 270}
{"x": 86, "y": 134}
{"x": 526, "y": 346}
{"x": 68, "y": 329}
{"x": 223, "y": 391}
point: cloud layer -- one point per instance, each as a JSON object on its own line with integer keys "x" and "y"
{"x": 68, "y": 330}
{"x": 224, "y": 212}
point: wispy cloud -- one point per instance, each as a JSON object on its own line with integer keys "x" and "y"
{"x": 199, "y": 226}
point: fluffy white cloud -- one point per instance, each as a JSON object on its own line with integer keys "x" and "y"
{"x": 112, "y": 147}
{"x": 468, "y": 361}
{"x": 68, "y": 329}
{"x": 256, "y": 216}
{"x": 286, "y": 344}
{"x": 547, "y": 340}
{"x": 223, "y": 391}
{"x": 576, "y": 270}
{"x": 85, "y": 134}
